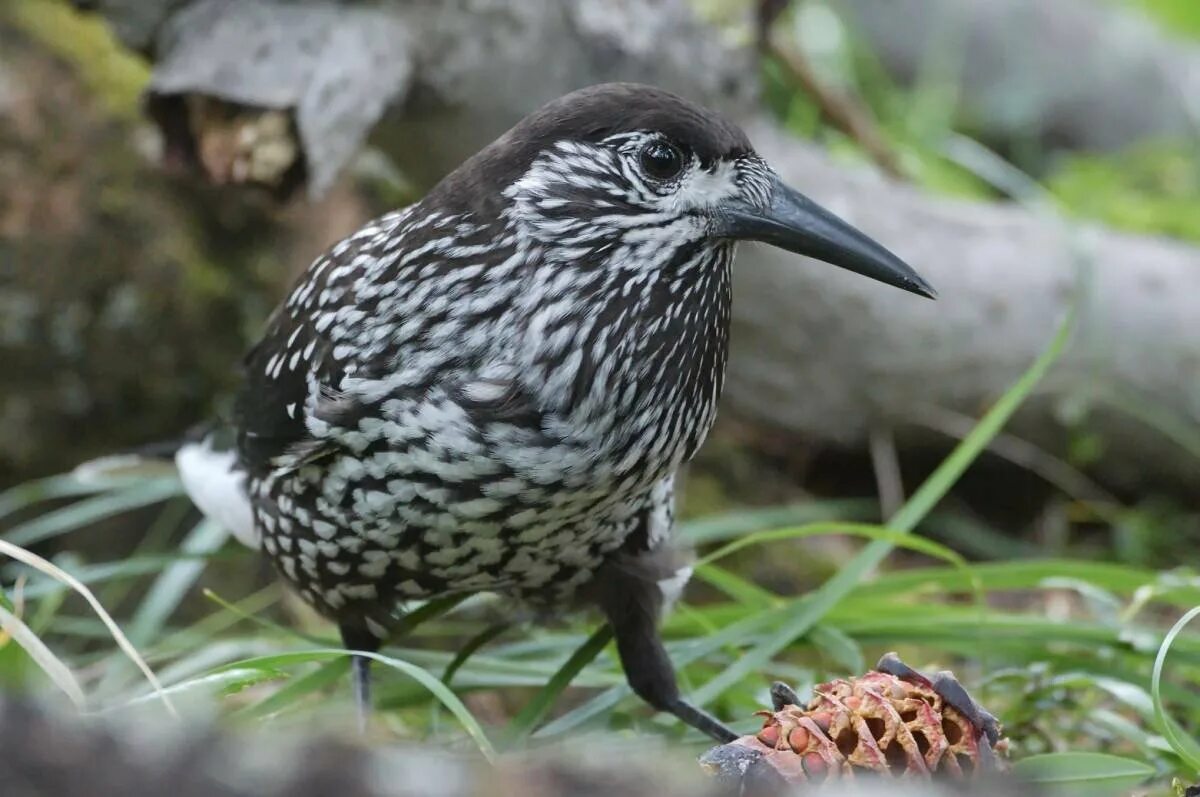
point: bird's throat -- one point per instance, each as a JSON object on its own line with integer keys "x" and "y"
{"x": 646, "y": 370}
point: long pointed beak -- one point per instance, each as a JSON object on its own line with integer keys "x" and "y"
{"x": 794, "y": 222}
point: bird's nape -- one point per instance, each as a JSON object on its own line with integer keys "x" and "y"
{"x": 792, "y": 221}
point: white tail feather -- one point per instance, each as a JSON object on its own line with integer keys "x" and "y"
{"x": 217, "y": 486}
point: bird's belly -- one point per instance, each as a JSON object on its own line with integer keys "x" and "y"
{"x": 491, "y": 512}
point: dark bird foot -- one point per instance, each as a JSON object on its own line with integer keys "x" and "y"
{"x": 702, "y": 721}
{"x": 783, "y": 695}
{"x": 361, "y": 673}
{"x": 355, "y": 638}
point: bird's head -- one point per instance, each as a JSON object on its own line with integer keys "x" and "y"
{"x": 622, "y": 165}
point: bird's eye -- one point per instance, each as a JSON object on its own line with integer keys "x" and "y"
{"x": 661, "y": 160}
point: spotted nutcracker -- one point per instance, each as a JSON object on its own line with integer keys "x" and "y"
{"x": 493, "y": 389}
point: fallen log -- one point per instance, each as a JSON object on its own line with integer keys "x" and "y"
{"x": 817, "y": 353}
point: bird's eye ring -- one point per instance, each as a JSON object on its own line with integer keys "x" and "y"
{"x": 661, "y": 160}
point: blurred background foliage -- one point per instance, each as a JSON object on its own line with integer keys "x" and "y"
{"x": 1176, "y": 15}
{"x": 127, "y": 294}
{"x": 1150, "y": 187}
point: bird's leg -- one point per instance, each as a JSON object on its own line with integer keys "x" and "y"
{"x": 355, "y": 637}
{"x": 632, "y": 604}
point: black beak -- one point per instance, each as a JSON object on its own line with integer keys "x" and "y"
{"x": 794, "y": 222}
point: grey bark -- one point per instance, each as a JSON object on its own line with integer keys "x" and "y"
{"x": 336, "y": 68}
{"x": 815, "y": 351}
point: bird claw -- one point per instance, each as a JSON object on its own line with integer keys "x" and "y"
{"x": 945, "y": 684}
{"x": 783, "y": 695}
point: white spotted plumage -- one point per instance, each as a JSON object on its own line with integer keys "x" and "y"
{"x": 495, "y": 388}
{"x": 494, "y": 395}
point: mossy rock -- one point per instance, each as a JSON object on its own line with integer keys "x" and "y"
{"x": 125, "y": 295}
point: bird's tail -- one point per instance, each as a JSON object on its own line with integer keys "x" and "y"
{"x": 208, "y": 468}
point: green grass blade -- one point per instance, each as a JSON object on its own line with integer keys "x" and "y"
{"x": 523, "y": 724}
{"x": 211, "y": 626}
{"x": 217, "y": 681}
{"x": 159, "y": 537}
{"x": 605, "y": 701}
{"x": 801, "y": 621}
{"x": 1093, "y": 774}
{"x": 1183, "y": 745}
{"x": 968, "y": 450}
{"x": 325, "y": 675}
{"x": 839, "y": 646}
{"x": 90, "y": 510}
{"x": 208, "y": 656}
{"x": 741, "y": 590}
{"x": 683, "y": 654}
{"x": 33, "y": 492}
{"x": 736, "y": 524}
{"x": 427, "y": 611}
{"x": 102, "y": 572}
{"x": 876, "y": 533}
{"x": 1026, "y": 574}
{"x": 173, "y": 584}
{"x": 284, "y": 631}
{"x": 808, "y": 611}
{"x": 58, "y": 672}
{"x": 470, "y": 647}
{"x": 418, "y": 674}
{"x": 49, "y": 568}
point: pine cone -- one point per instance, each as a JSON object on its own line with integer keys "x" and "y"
{"x": 884, "y": 723}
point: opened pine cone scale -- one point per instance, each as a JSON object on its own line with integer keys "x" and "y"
{"x": 892, "y": 721}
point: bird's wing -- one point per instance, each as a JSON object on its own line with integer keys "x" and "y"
{"x": 299, "y": 356}
{"x": 363, "y": 313}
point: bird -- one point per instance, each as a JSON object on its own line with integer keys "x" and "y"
{"x": 494, "y": 388}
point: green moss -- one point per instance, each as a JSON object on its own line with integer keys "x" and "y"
{"x": 1180, "y": 16}
{"x": 1153, "y": 188}
{"x": 111, "y": 73}
{"x": 130, "y": 293}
